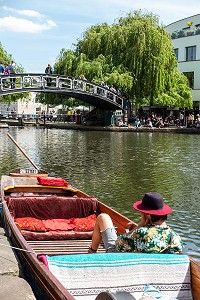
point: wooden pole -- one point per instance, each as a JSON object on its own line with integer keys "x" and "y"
{"x": 22, "y": 151}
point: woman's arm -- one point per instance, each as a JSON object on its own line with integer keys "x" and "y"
{"x": 144, "y": 221}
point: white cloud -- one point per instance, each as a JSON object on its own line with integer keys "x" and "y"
{"x": 24, "y": 12}
{"x": 30, "y": 13}
{"x": 22, "y": 25}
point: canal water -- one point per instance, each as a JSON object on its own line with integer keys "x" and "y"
{"x": 118, "y": 168}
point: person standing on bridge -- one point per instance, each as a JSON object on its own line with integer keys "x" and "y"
{"x": 12, "y": 69}
{"x": 6, "y": 72}
{"x": 49, "y": 71}
{"x": 2, "y": 68}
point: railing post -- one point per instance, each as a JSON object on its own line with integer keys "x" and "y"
{"x": 43, "y": 82}
{"x": 72, "y": 85}
{"x": 71, "y": 82}
{"x": 57, "y": 82}
{"x": 22, "y": 81}
{"x": 95, "y": 89}
{"x": 84, "y": 85}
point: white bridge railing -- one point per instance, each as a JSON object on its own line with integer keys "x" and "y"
{"x": 41, "y": 82}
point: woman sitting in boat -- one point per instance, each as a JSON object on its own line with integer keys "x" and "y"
{"x": 152, "y": 235}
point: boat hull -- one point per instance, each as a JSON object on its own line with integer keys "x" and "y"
{"x": 44, "y": 284}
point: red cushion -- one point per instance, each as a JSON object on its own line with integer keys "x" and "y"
{"x": 85, "y": 224}
{"x": 29, "y": 223}
{"x": 58, "y": 224}
{"x": 52, "y": 181}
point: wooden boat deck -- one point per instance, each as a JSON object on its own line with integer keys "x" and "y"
{"x": 60, "y": 247}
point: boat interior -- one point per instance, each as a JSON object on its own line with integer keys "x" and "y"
{"x": 26, "y": 199}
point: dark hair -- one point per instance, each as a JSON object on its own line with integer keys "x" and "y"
{"x": 155, "y": 218}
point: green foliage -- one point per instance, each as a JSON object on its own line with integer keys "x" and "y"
{"x": 135, "y": 54}
{"x": 179, "y": 92}
{"x": 65, "y": 63}
{"x": 56, "y": 99}
{"x": 14, "y": 97}
{"x": 6, "y": 58}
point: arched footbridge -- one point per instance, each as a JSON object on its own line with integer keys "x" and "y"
{"x": 84, "y": 90}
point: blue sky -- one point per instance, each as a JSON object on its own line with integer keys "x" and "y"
{"x": 34, "y": 31}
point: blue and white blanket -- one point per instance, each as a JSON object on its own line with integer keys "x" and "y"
{"x": 86, "y": 275}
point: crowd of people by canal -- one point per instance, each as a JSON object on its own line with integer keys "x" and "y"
{"x": 153, "y": 119}
{"x": 138, "y": 120}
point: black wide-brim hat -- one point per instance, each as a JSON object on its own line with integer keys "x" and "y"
{"x": 152, "y": 204}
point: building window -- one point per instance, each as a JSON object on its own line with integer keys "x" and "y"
{"x": 190, "y": 77}
{"x": 176, "y": 53}
{"x": 190, "y": 53}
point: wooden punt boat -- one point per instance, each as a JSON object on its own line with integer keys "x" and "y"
{"x": 18, "y": 194}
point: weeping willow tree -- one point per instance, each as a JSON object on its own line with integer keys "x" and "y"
{"x": 135, "y": 54}
{"x": 6, "y": 58}
{"x": 57, "y": 99}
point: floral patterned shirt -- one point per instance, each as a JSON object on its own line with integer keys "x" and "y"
{"x": 149, "y": 239}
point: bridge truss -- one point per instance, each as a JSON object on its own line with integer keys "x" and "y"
{"x": 89, "y": 92}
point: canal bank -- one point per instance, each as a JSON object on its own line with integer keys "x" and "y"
{"x": 13, "y": 285}
{"x": 74, "y": 126}
{"x": 175, "y": 129}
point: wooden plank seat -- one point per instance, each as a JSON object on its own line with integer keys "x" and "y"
{"x": 62, "y": 247}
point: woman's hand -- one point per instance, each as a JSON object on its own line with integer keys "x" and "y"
{"x": 130, "y": 226}
{"x": 145, "y": 220}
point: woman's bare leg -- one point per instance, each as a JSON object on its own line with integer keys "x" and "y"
{"x": 103, "y": 222}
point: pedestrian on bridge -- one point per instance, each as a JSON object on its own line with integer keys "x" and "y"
{"x": 12, "y": 69}
{"x": 49, "y": 71}
{"x": 2, "y": 68}
{"x": 6, "y": 72}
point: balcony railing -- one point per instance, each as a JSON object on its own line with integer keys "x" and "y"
{"x": 184, "y": 33}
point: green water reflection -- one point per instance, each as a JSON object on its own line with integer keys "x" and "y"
{"x": 118, "y": 168}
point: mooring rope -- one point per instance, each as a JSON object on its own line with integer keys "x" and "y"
{"x": 16, "y": 248}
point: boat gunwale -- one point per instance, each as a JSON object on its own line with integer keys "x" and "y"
{"x": 37, "y": 267}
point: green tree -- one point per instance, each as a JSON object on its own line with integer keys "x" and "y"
{"x": 135, "y": 54}
{"x": 57, "y": 99}
{"x": 6, "y": 58}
